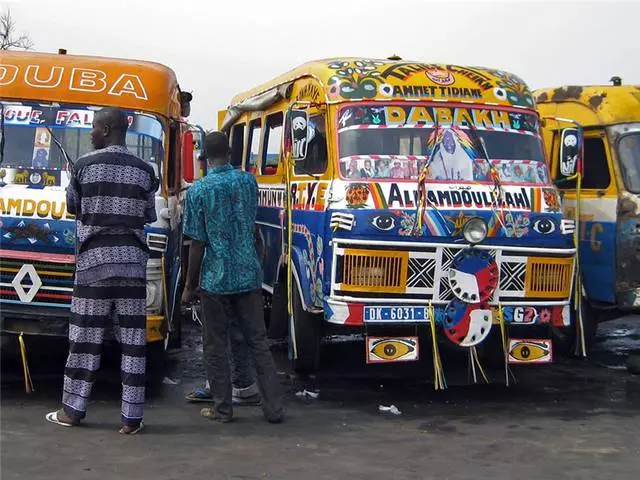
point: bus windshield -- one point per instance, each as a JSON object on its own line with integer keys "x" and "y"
{"x": 629, "y": 152}
{"x": 396, "y": 142}
{"x": 27, "y": 142}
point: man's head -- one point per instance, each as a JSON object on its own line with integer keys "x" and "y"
{"x": 216, "y": 146}
{"x": 109, "y": 128}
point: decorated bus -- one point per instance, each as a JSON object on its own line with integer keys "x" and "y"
{"x": 48, "y": 104}
{"x": 606, "y": 120}
{"x": 409, "y": 202}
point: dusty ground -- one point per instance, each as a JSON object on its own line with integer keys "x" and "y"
{"x": 574, "y": 420}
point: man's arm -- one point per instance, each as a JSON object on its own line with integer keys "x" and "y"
{"x": 194, "y": 227}
{"x": 73, "y": 195}
{"x": 259, "y": 243}
{"x": 150, "y": 207}
{"x": 196, "y": 252}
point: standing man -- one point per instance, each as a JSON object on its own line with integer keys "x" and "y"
{"x": 219, "y": 217}
{"x": 112, "y": 195}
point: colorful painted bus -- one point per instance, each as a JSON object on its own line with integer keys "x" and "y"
{"x": 50, "y": 99}
{"x": 415, "y": 198}
{"x": 609, "y": 204}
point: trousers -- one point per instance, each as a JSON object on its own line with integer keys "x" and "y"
{"x": 246, "y": 309}
{"x": 243, "y": 372}
{"x": 92, "y": 308}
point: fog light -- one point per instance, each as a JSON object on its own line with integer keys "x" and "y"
{"x": 475, "y": 230}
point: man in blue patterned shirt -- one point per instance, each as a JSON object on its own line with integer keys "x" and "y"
{"x": 219, "y": 217}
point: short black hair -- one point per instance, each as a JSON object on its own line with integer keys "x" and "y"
{"x": 116, "y": 118}
{"x": 216, "y": 145}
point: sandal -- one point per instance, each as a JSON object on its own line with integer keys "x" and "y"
{"x": 210, "y": 414}
{"x": 54, "y": 417}
{"x": 131, "y": 429}
{"x": 199, "y": 394}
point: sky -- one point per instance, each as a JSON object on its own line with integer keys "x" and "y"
{"x": 220, "y": 48}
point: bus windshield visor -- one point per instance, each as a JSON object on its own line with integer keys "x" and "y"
{"x": 629, "y": 152}
{"x": 396, "y": 142}
{"x": 27, "y": 129}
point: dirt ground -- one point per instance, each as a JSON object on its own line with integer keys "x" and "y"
{"x": 573, "y": 420}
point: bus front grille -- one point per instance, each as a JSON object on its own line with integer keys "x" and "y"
{"x": 374, "y": 271}
{"x": 548, "y": 277}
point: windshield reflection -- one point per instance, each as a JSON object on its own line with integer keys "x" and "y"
{"x": 28, "y": 128}
{"x": 629, "y": 153}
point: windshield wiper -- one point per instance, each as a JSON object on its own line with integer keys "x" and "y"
{"x": 423, "y": 198}
{"x": 70, "y": 163}
{"x": 498, "y": 190}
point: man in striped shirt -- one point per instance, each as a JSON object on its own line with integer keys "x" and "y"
{"x": 112, "y": 195}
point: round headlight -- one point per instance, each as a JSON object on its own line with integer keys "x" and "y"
{"x": 475, "y": 230}
{"x": 151, "y": 294}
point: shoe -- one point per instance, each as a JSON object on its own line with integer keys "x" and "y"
{"x": 275, "y": 419}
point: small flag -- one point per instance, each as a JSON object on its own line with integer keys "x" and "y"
{"x": 344, "y": 221}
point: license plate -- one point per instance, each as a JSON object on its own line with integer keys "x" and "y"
{"x": 392, "y": 349}
{"x": 395, "y": 314}
{"x": 530, "y": 350}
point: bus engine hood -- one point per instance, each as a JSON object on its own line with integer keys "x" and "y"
{"x": 36, "y": 219}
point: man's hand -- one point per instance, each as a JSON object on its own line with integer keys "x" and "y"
{"x": 189, "y": 295}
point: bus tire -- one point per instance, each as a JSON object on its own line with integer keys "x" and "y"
{"x": 565, "y": 338}
{"x": 174, "y": 331}
{"x": 277, "y": 327}
{"x": 156, "y": 363}
{"x": 308, "y": 331}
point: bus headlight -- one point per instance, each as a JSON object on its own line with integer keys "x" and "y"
{"x": 475, "y": 230}
{"x": 154, "y": 285}
{"x": 154, "y": 297}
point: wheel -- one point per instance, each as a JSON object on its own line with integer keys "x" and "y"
{"x": 277, "y": 326}
{"x": 308, "y": 331}
{"x": 156, "y": 362}
{"x": 174, "y": 332}
{"x": 565, "y": 338}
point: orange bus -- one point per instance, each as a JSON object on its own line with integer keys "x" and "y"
{"x": 48, "y": 104}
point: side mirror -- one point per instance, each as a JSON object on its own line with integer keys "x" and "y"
{"x": 187, "y": 157}
{"x": 570, "y": 153}
{"x": 299, "y": 134}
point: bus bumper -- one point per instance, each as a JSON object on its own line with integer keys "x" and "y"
{"x": 54, "y": 322}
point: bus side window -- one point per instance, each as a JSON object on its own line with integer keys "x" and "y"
{"x": 255, "y": 129}
{"x": 596, "y": 174}
{"x": 316, "y": 161}
{"x": 596, "y": 167}
{"x": 237, "y": 144}
{"x": 272, "y": 142}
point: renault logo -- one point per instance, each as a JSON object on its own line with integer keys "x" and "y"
{"x": 32, "y": 289}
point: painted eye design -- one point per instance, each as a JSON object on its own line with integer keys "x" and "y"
{"x": 385, "y": 89}
{"x": 392, "y": 349}
{"x": 500, "y": 93}
{"x": 383, "y": 222}
{"x": 529, "y": 351}
{"x": 544, "y": 226}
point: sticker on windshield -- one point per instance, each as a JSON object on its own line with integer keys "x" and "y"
{"x": 21, "y": 115}
{"x": 41, "y": 148}
{"x": 75, "y": 118}
{"x": 401, "y": 116}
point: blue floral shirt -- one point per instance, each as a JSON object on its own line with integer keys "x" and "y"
{"x": 220, "y": 211}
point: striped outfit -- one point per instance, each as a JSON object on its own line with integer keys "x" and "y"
{"x": 112, "y": 194}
